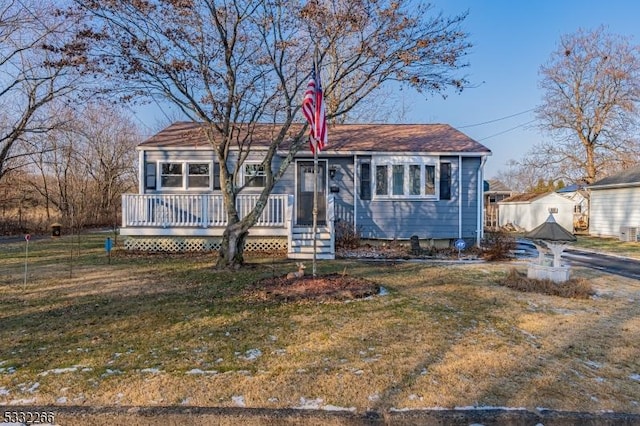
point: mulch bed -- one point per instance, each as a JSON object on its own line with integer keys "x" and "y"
{"x": 331, "y": 287}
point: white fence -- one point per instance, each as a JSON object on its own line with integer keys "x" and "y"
{"x": 197, "y": 210}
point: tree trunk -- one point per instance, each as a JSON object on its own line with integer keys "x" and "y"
{"x": 230, "y": 255}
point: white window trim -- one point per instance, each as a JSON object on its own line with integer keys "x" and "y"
{"x": 396, "y": 160}
{"x": 243, "y": 175}
{"x": 185, "y": 176}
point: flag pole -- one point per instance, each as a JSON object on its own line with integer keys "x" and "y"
{"x": 315, "y": 181}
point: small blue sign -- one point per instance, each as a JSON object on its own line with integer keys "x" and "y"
{"x": 108, "y": 244}
{"x": 460, "y": 244}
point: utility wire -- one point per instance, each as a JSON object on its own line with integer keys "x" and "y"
{"x": 497, "y": 119}
{"x": 506, "y": 131}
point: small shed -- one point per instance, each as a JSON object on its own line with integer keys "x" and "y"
{"x": 526, "y": 211}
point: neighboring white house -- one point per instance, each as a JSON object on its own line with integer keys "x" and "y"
{"x": 494, "y": 192}
{"x": 527, "y": 211}
{"x": 615, "y": 205}
{"x": 580, "y": 196}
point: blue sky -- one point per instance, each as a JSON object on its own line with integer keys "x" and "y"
{"x": 512, "y": 39}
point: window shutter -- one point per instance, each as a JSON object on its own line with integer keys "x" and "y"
{"x": 365, "y": 181}
{"x": 150, "y": 176}
{"x": 445, "y": 181}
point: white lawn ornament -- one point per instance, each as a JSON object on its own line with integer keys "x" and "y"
{"x": 299, "y": 274}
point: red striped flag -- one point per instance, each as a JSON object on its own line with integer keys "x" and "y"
{"x": 313, "y": 110}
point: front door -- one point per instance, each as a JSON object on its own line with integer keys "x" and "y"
{"x": 304, "y": 193}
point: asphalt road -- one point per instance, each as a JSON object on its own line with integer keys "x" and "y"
{"x": 625, "y": 267}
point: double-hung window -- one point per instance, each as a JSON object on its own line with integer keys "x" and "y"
{"x": 182, "y": 175}
{"x": 171, "y": 175}
{"x": 254, "y": 175}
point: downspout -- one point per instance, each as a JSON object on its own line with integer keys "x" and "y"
{"x": 356, "y": 176}
{"x": 141, "y": 168}
{"x": 459, "y": 196}
{"x": 480, "y": 233}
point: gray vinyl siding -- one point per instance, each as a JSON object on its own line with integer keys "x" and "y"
{"x": 401, "y": 219}
{"x": 383, "y": 219}
{"x": 470, "y": 197}
{"x": 343, "y": 181}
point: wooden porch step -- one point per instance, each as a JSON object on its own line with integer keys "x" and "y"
{"x": 309, "y": 256}
{"x": 309, "y": 236}
{"x": 309, "y": 243}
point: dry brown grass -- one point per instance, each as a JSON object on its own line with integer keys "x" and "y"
{"x": 168, "y": 330}
{"x": 576, "y": 288}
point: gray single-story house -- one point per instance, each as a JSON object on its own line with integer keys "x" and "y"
{"x": 384, "y": 181}
{"x": 614, "y": 209}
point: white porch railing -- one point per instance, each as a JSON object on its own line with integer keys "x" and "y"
{"x": 196, "y": 210}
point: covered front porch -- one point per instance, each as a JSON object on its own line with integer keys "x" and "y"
{"x": 192, "y": 222}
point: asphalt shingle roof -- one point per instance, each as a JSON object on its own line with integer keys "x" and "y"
{"x": 342, "y": 138}
{"x": 628, "y": 176}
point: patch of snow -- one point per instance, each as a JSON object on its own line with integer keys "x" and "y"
{"x": 383, "y": 291}
{"x": 4, "y": 391}
{"x": 238, "y": 400}
{"x": 273, "y": 399}
{"x": 22, "y": 401}
{"x": 599, "y": 380}
{"x": 635, "y": 377}
{"x": 309, "y": 404}
{"x": 280, "y": 351}
{"x": 199, "y": 371}
{"x": 72, "y": 369}
{"x": 61, "y": 400}
{"x": 34, "y": 387}
{"x": 109, "y": 372}
{"x": 151, "y": 370}
{"x": 374, "y": 397}
{"x": 251, "y": 355}
{"x": 186, "y": 401}
{"x": 336, "y": 408}
{"x": 489, "y": 407}
{"x": 593, "y": 364}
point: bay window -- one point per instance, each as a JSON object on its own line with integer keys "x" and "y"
{"x": 410, "y": 177}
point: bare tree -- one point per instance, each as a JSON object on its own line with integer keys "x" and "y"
{"x": 88, "y": 164}
{"x": 591, "y": 90}
{"x": 31, "y": 76}
{"x": 233, "y": 64}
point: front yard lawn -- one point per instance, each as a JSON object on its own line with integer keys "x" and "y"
{"x": 169, "y": 330}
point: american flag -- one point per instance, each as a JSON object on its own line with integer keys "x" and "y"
{"x": 313, "y": 110}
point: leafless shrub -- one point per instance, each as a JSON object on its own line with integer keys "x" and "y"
{"x": 498, "y": 246}
{"x": 346, "y": 236}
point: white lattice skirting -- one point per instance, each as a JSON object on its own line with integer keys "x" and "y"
{"x": 191, "y": 244}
